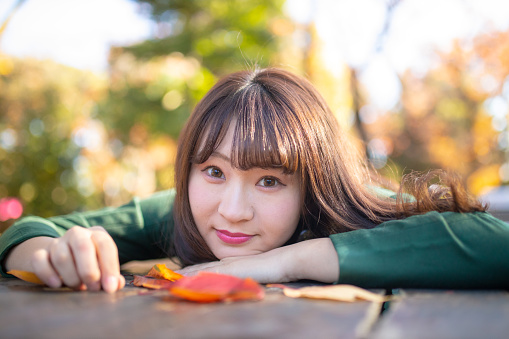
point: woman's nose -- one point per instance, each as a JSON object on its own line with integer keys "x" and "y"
{"x": 235, "y": 204}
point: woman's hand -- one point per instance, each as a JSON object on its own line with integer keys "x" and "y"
{"x": 311, "y": 259}
{"x": 83, "y": 258}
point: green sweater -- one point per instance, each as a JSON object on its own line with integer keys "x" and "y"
{"x": 434, "y": 250}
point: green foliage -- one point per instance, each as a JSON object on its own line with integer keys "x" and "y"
{"x": 158, "y": 93}
{"x": 158, "y": 82}
{"x": 37, "y": 154}
{"x": 223, "y": 35}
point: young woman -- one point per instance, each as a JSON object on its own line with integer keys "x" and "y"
{"x": 267, "y": 186}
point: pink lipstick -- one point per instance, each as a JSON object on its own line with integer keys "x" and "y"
{"x": 232, "y": 238}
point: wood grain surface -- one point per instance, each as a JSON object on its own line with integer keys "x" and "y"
{"x": 446, "y": 315}
{"x": 30, "y": 311}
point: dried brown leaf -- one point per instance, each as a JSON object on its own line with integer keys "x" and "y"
{"x": 346, "y": 293}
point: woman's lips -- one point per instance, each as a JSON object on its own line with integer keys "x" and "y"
{"x": 232, "y": 238}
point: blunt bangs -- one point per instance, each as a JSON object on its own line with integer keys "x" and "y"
{"x": 265, "y": 132}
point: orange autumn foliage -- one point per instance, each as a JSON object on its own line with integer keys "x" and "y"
{"x": 26, "y": 276}
{"x": 213, "y": 287}
{"x": 160, "y": 271}
{"x": 152, "y": 283}
{"x": 205, "y": 287}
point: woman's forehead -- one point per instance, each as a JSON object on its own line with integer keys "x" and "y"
{"x": 225, "y": 147}
{"x": 207, "y": 142}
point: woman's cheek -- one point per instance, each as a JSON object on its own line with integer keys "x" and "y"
{"x": 198, "y": 195}
{"x": 283, "y": 217}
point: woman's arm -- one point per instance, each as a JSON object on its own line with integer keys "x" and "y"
{"x": 138, "y": 229}
{"x": 314, "y": 259}
{"x": 433, "y": 250}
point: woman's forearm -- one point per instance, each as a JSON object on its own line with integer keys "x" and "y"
{"x": 314, "y": 259}
{"x": 311, "y": 259}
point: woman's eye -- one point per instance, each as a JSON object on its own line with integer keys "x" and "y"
{"x": 268, "y": 182}
{"x": 214, "y": 172}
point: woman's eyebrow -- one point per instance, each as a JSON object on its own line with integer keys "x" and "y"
{"x": 220, "y": 156}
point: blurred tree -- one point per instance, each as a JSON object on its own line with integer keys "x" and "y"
{"x": 223, "y": 35}
{"x": 38, "y": 149}
{"x": 155, "y": 84}
{"x": 357, "y": 94}
{"x": 10, "y": 14}
{"x": 455, "y": 116}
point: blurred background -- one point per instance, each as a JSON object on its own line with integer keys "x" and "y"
{"x": 93, "y": 93}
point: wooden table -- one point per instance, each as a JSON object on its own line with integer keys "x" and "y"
{"x": 31, "y": 311}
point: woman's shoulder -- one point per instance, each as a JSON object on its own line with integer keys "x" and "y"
{"x": 159, "y": 197}
{"x": 158, "y": 205}
{"x": 465, "y": 220}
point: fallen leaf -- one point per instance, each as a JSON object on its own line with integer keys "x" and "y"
{"x": 205, "y": 287}
{"x": 347, "y": 293}
{"x": 26, "y": 276}
{"x": 249, "y": 289}
{"x": 160, "y": 271}
{"x": 209, "y": 287}
{"x": 148, "y": 282}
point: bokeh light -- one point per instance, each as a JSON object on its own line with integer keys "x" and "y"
{"x": 10, "y": 208}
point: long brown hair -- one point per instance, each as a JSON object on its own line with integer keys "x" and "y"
{"x": 280, "y": 120}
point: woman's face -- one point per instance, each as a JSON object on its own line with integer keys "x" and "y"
{"x": 242, "y": 212}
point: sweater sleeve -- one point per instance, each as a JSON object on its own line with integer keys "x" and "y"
{"x": 141, "y": 229}
{"x": 433, "y": 250}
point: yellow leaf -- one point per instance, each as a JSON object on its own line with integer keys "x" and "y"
{"x": 26, "y": 276}
{"x": 348, "y": 293}
{"x": 160, "y": 271}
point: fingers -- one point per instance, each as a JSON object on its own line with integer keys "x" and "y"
{"x": 44, "y": 270}
{"x": 107, "y": 256}
{"x": 81, "y": 259}
{"x": 63, "y": 263}
{"x": 84, "y": 253}
{"x": 121, "y": 281}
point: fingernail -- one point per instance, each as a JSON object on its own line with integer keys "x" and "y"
{"x": 121, "y": 282}
{"x": 110, "y": 284}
